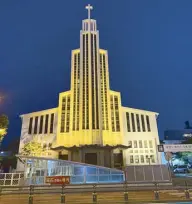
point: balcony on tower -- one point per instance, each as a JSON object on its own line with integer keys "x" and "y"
{"x": 89, "y": 25}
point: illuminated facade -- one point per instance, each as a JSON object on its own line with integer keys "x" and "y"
{"x": 90, "y": 125}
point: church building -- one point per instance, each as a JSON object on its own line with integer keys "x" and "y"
{"x": 90, "y": 124}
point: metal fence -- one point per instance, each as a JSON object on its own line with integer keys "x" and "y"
{"x": 150, "y": 173}
{"x": 116, "y": 193}
{"x": 11, "y": 179}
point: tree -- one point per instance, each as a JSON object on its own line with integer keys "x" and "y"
{"x": 187, "y": 141}
{"x": 32, "y": 148}
{"x": 4, "y": 122}
{"x": 162, "y": 142}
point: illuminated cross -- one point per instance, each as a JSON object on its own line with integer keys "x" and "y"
{"x": 89, "y": 8}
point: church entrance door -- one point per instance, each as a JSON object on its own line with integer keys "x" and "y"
{"x": 91, "y": 158}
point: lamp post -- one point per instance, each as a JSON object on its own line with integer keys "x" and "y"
{"x": 149, "y": 158}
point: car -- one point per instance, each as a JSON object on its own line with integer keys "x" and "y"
{"x": 181, "y": 169}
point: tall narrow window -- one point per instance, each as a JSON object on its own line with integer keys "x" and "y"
{"x": 130, "y": 143}
{"x": 135, "y": 143}
{"x": 133, "y": 121}
{"x": 138, "y": 123}
{"x": 63, "y": 113}
{"x": 145, "y": 144}
{"x": 150, "y": 144}
{"x": 140, "y": 144}
{"x": 117, "y": 114}
{"x": 142, "y": 159}
{"x": 41, "y": 125}
{"x": 30, "y": 126}
{"x": 68, "y": 114}
{"x": 128, "y": 122}
{"x": 143, "y": 123}
{"x": 148, "y": 123}
{"x": 36, "y": 123}
{"x": 152, "y": 159}
{"x": 51, "y": 123}
{"x": 136, "y": 159}
{"x": 46, "y": 123}
{"x": 112, "y": 114}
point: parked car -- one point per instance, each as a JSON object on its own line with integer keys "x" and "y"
{"x": 181, "y": 169}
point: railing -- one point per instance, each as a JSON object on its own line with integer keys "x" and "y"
{"x": 11, "y": 179}
{"x": 102, "y": 193}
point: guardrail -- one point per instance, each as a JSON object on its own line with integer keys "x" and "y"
{"x": 124, "y": 192}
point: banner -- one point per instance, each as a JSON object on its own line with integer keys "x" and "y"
{"x": 175, "y": 148}
{"x": 58, "y": 179}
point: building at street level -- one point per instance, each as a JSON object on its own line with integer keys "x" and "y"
{"x": 90, "y": 124}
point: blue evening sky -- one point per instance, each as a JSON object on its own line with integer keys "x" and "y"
{"x": 150, "y": 54}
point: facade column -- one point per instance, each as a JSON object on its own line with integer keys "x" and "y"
{"x": 69, "y": 155}
{"x": 81, "y": 155}
{"x": 100, "y": 157}
{"x": 112, "y": 158}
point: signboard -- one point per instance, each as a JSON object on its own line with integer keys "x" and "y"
{"x": 160, "y": 148}
{"x": 57, "y": 179}
{"x": 175, "y": 148}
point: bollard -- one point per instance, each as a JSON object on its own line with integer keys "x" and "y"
{"x": 31, "y": 194}
{"x": 94, "y": 194}
{"x": 156, "y": 195}
{"x": 63, "y": 194}
{"x": 187, "y": 194}
{"x": 156, "y": 192}
{"x": 126, "y": 197}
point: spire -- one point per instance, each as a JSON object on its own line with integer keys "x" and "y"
{"x": 89, "y": 8}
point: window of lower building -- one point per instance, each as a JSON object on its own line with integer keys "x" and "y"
{"x": 30, "y": 126}
{"x": 142, "y": 159}
{"x": 137, "y": 159}
{"x": 152, "y": 159}
{"x": 131, "y": 159}
{"x": 148, "y": 123}
{"x": 135, "y": 143}
{"x": 140, "y": 144}
{"x": 150, "y": 144}
{"x": 36, "y": 124}
{"x": 46, "y": 123}
{"x": 145, "y": 144}
{"x": 133, "y": 122}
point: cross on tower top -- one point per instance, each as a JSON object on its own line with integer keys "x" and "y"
{"x": 89, "y": 8}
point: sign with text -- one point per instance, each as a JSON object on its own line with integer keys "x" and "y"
{"x": 57, "y": 179}
{"x": 160, "y": 148}
{"x": 175, "y": 148}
